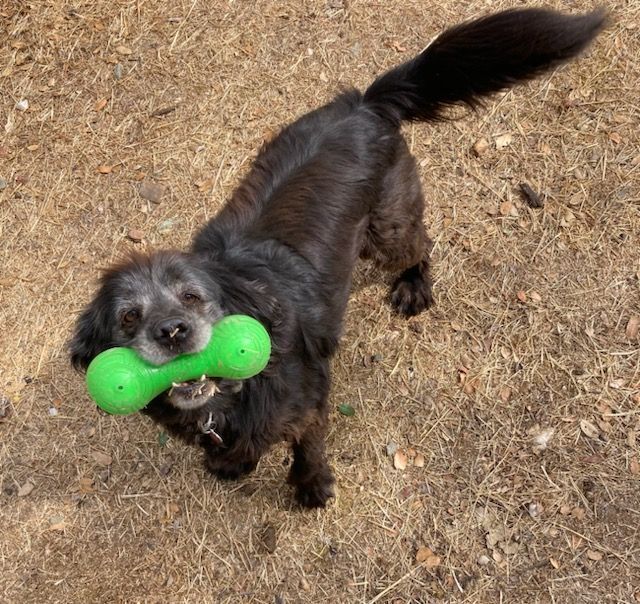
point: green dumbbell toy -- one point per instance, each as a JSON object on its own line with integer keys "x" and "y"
{"x": 121, "y": 382}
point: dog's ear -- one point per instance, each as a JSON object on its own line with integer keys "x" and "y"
{"x": 92, "y": 333}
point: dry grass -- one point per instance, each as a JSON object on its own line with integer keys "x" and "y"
{"x": 468, "y": 385}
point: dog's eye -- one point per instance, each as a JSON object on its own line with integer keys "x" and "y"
{"x": 190, "y": 297}
{"x": 131, "y": 316}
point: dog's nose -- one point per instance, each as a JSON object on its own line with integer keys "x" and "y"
{"x": 171, "y": 331}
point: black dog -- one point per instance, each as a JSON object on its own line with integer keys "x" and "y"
{"x": 336, "y": 185}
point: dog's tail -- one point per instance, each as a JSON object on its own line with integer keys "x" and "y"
{"x": 475, "y": 59}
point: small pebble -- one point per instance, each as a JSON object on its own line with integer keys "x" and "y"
{"x": 117, "y": 71}
{"x": 483, "y": 560}
{"x": 22, "y": 105}
{"x": 53, "y": 411}
{"x": 166, "y": 226}
{"x": 3, "y": 184}
{"x": 151, "y": 191}
{"x": 534, "y": 509}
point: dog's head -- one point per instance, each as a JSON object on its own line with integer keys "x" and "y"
{"x": 161, "y": 305}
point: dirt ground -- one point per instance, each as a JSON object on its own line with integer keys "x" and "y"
{"x": 514, "y": 404}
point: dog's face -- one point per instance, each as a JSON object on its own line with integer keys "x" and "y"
{"x": 161, "y": 306}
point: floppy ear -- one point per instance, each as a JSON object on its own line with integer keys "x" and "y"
{"x": 92, "y": 333}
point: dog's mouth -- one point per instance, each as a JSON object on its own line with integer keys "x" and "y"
{"x": 193, "y": 393}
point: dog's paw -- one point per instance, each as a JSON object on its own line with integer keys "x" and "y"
{"x": 315, "y": 494}
{"x": 410, "y": 297}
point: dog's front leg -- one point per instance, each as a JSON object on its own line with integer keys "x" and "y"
{"x": 310, "y": 472}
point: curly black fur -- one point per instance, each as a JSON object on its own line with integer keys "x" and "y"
{"x": 336, "y": 185}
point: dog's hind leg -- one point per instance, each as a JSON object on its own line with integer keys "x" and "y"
{"x": 397, "y": 240}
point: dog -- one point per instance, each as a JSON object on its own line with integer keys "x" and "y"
{"x": 336, "y": 185}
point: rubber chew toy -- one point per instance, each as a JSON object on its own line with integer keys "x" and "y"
{"x": 121, "y": 382}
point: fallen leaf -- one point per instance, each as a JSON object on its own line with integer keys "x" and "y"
{"x": 86, "y": 484}
{"x": 469, "y": 386}
{"x": 136, "y": 235}
{"x": 554, "y": 563}
{"x": 100, "y": 104}
{"x": 504, "y": 140}
{"x": 535, "y": 296}
{"x": 578, "y": 514}
{"x": 589, "y": 429}
{"x": 399, "y": 460}
{"x": 617, "y": 384}
{"x": 25, "y": 489}
{"x": 33, "y": 147}
{"x": 522, "y": 296}
{"x": 567, "y": 219}
{"x": 507, "y": 208}
{"x": 633, "y": 328}
{"x": 104, "y": 169}
{"x": 425, "y": 556}
{"x": 123, "y": 50}
{"x": 163, "y": 438}
{"x": 102, "y": 459}
{"x": 480, "y": 147}
{"x": 594, "y": 555}
{"x": 615, "y": 137}
{"x": 634, "y": 467}
{"x": 398, "y": 47}
{"x": 418, "y": 462}
{"x": 204, "y": 186}
{"x": 347, "y": 410}
{"x": 269, "y": 538}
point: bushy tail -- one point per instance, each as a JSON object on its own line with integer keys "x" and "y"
{"x": 475, "y": 59}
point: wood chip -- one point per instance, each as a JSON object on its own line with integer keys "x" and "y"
{"x": 100, "y": 104}
{"x": 104, "y": 169}
{"x": 418, "y": 462}
{"x": 123, "y": 50}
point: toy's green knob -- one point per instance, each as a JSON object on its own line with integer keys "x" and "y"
{"x": 121, "y": 382}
